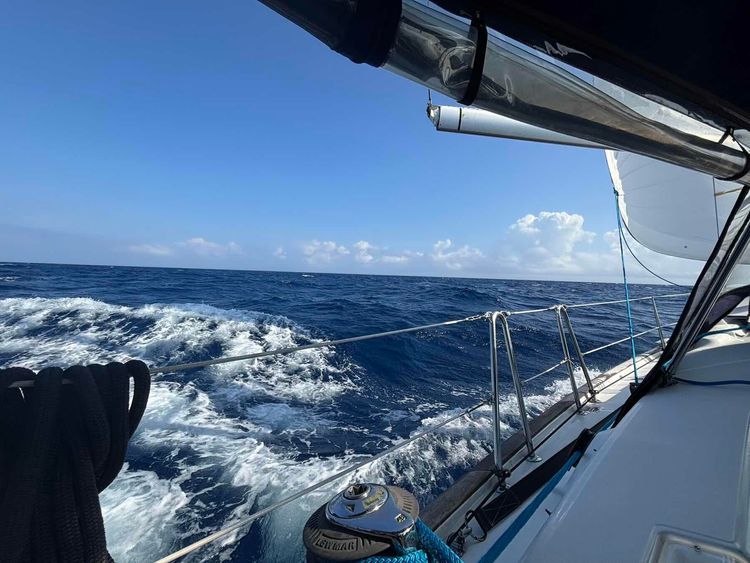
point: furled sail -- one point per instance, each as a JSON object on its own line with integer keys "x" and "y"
{"x": 465, "y": 62}
{"x": 473, "y": 121}
{"x": 669, "y": 209}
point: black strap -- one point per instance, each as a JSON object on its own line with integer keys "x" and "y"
{"x": 746, "y": 168}
{"x": 370, "y": 32}
{"x": 489, "y": 514}
{"x": 477, "y": 67}
{"x": 60, "y": 445}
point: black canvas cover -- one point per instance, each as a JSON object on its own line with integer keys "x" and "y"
{"x": 689, "y": 54}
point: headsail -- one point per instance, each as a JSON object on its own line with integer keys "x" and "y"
{"x": 669, "y": 209}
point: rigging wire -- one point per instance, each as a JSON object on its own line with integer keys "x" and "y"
{"x": 621, "y": 236}
{"x": 649, "y": 270}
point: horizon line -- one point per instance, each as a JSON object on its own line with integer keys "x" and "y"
{"x": 332, "y": 273}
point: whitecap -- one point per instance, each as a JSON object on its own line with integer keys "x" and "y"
{"x": 215, "y": 446}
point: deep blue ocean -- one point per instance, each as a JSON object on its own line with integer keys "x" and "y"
{"x": 219, "y": 443}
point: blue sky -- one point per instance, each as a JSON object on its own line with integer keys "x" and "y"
{"x": 206, "y": 134}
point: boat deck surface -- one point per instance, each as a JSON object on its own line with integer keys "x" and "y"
{"x": 670, "y": 483}
{"x": 553, "y": 430}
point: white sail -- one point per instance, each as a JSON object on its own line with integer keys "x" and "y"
{"x": 671, "y": 210}
{"x": 668, "y": 209}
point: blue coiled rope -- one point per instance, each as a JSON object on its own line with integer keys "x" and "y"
{"x": 431, "y": 549}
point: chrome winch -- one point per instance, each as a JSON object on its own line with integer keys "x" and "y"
{"x": 365, "y": 519}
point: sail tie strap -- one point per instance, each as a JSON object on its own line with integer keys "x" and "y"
{"x": 477, "y": 66}
{"x": 60, "y": 446}
{"x": 746, "y": 168}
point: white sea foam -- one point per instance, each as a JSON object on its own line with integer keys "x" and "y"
{"x": 182, "y": 423}
{"x": 205, "y": 457}
{"x": 142, "y": 514}
{"x": 40, "y": 331}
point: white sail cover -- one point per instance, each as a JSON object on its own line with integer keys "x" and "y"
{"x": 671, "y": 210}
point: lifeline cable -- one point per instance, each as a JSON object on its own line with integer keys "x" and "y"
{"x": 231, "y": 528}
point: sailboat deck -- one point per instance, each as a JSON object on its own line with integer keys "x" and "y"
{"x": 670, "y": 483}
{"x": 555, "y": 428}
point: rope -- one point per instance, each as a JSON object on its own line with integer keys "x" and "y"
{"x": 284, "y": 351}
{"x": 616, "y": 342}
{"x": 713, "y": 383}
{"x": 415, "y": 556}
{"x": 60, "y": 446}
{"x": 627, "y": 290}
{"x": 649, "y": 270}
{"x": 431, "y": 549}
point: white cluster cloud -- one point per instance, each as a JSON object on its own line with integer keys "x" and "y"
{"x": 203, "y": 247}
{"x": 198, "y": 246}
{"x": 392, "y": 259}
{"x": 556, "y": 231}
{"x": 364, "y": 252}
{"x": 551, "y": 242}
{"x": 404, "y": 258}
{"x": 323, "y": 252}
{"x": 555, "y": 244}
{"x": 455, "y": 258}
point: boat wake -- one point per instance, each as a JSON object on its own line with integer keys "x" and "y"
{"x": 217, "y": 444}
